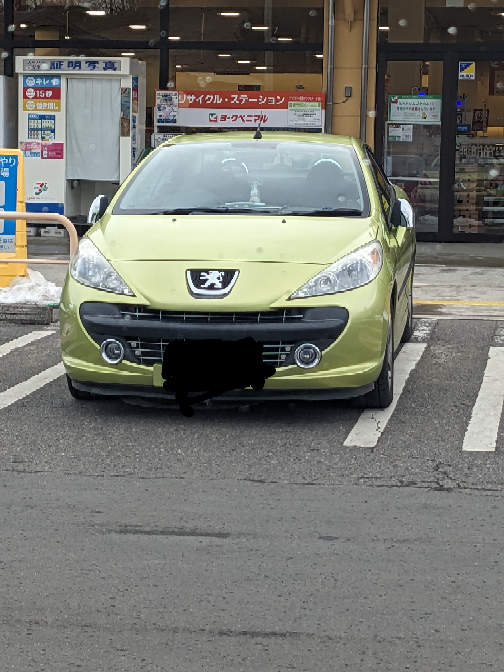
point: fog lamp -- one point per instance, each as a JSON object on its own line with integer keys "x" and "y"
{"x": 307, "y": 356}
{"x": 112, "y": 351}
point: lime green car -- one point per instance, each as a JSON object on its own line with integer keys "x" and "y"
{"x": 297, "y": 240}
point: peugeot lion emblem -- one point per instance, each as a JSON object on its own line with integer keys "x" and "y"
{"x": 210, "y": 284}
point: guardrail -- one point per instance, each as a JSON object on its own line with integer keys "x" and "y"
{"x": 43, "y": 217}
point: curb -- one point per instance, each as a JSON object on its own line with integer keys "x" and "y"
{"x": 26, "y": 313}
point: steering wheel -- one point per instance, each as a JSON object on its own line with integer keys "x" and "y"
{"x": 237, "y": 167}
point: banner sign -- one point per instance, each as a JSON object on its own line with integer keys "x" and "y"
{"x": 417, "y": 109}
{"x": 71, "y": 65}
{"x": 243, "y": 109}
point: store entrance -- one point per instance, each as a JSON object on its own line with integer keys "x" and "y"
{"x": 479, "y": 159}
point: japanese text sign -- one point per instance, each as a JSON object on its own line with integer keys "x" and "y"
{"x": 230, "y": 109}
{"x": 51, "y": 65}
{"x": 8, "y": 200}
{"x": 420, "y": 109}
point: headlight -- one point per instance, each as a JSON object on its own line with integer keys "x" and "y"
{"x": 89, "y": 267}
{"x": 354, "y": 270}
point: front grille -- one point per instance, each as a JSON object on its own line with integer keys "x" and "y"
{"x": 150, "y": 352}
{"x": 190, "y": 317}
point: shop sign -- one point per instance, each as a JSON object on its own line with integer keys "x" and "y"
{"x": 31, "y": 150}
{"x": 134, "y": 95}
{"x": 166, "y": 107}
{"x": 41, "y": 127}
{"x": 8, "y": 200}
{"x": 417, "y": 109}
{"x": 244, "y": 109}
{"x": 400, "y": 132}
{"x": 52, "y": 150}
{"x": 158, "y": 138}
{"x": 41, "y": 93}
{"x": 467, "y": 70}
{"x": 71, "y": 65}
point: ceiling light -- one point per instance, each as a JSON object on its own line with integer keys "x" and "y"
{"x": 261, "y": 67}
{"x": 178, "y": 66}
{"x": 319, "y": 55}
{"x": 260, "y": 27}
{"x": 128, "y": 53}
{"x": 96, "y": 12}
{"x": 23, "y": 25}
{"x": 67, "y": 37}
{"x": 243, "y": 61}
{"x": 229, "y": 13}
{"x": 383, "y": 27}
{"x": 284, "y": 39}
{"x": 173, "y": 38}
{"x": 137, "y": 26}
{"x": 224, "y": 55}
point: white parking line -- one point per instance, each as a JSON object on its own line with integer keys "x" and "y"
{"x": 23, "y": 340}
{"x": 34, "y": 383}
{"x": 371, "y": 423}
{"x": 481, "y": 434}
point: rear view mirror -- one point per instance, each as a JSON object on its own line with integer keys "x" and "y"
{"x": 97, "y": 209}
{"x": 408, "y": 214}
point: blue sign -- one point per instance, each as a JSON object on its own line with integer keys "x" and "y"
{"x": 8, "y": 200}
{"x": 42, "y": 81}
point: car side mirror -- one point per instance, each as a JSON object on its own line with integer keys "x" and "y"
{"x": 97, "y": 209}
{"x": 408, "y": 214}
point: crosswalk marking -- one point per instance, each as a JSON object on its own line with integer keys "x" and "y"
{"x": 23, "y": 340}
{"x": 481, "y": 434}
{"x": 34, "y": 383}
{"x": 371, "y": 423}
{"x": 369, "y": 427}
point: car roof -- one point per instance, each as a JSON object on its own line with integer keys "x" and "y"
{"x": 279, "y": 136}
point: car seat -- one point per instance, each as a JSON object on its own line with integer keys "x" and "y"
{"x": 326, "y": 186}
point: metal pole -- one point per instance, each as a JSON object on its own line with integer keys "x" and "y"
{"x": 330, "y": 68}
{"x": 365, "y": 67}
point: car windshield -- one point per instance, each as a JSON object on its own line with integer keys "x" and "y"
{"x": 253, "y": 176}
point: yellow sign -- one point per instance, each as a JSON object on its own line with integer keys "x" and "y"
{"x": 42, "y": 105}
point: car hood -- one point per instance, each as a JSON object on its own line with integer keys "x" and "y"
{"x": 289, "y": 239}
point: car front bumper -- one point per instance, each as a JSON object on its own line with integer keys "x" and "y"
{"x": 351, "y": 335}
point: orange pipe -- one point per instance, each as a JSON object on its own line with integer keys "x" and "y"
{"x": 43, "y": 217}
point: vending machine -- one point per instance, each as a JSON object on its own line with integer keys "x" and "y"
{"x": 81, "y": 128}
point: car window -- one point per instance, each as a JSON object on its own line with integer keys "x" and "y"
{"x": 274, "y": 177}
{"x": 385, "y": 189}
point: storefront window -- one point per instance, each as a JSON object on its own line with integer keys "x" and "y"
{"x": 263, "y": 21}
{"x": 447, "y": 21}
{"x": 98, "y": 19}
{"x": 246, "y": 71}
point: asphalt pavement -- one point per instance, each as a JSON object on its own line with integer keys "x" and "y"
{"x": 279, "y": 537}
{"x": 283, "y": 537}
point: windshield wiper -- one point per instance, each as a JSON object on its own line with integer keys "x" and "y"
{"x": 211, "y": 210}
{"x": 327, "y": 212}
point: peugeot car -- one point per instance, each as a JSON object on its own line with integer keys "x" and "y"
{"x": 295, "y": 240}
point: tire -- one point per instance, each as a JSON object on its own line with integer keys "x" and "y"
{"x": 382, "y": 394}
{"x": 78, "y": 394}
{"x": 408, "y": 329}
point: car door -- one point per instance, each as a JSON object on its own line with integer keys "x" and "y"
{"x": 401, "y": 244}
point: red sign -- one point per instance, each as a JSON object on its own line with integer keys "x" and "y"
{"x": 32, "y": 93}
{"x": 52, "y": 150}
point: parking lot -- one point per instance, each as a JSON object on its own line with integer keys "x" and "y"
{"x": 262, "y": 539}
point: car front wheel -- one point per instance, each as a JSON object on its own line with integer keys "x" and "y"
{"x": 382, "y": 394}
{"x": 78, "y": 394}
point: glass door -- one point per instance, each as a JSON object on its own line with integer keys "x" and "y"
{"x": 479, "y": 160}
{"x": 412, "y": 138}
